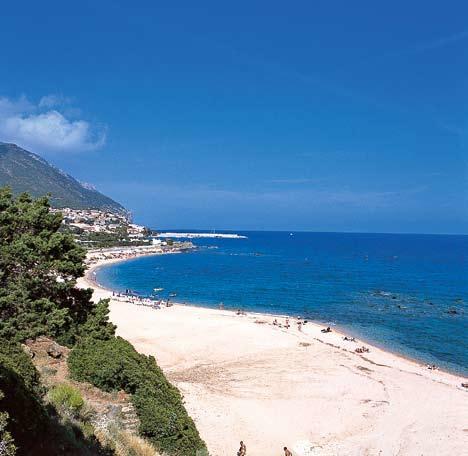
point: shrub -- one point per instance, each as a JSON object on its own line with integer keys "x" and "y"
{"x": 97, "y": 325}
{"x": 7, "y": 443}
{"x": 113, "y": 365}
{"x": 22, "y": 393}
{"x": 66, "y": 398}
{"x": 13, "y": 356}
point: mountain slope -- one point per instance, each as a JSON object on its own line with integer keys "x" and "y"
{"x": 24, "y": 171}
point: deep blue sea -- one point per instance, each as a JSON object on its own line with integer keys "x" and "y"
{"x": 406, "y": 293}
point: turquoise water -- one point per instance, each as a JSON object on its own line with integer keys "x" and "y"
{"x": 407, "y": 293}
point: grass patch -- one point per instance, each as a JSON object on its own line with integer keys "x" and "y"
{"x": 67, "y": 399}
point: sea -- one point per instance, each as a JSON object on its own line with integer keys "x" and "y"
{"x": 406, "y": 293}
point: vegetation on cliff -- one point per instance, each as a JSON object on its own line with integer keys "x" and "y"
{"x": 114, "y": 365}
{"x": 28, "y": 424}
{"x": 38, "y": 270}
{"x": 39, "y": 266}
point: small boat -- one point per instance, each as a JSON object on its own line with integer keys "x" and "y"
{"x": 158, "y": 289}
{"x": 172, "y": 295}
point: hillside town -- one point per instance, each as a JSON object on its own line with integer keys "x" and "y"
{"x": 97, "y": 221}
{"x": 97, "y": 228}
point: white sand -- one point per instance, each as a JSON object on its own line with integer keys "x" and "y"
{"x": 310, "y": 391}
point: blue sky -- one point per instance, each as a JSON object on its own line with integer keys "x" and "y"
{"x": 320, "y": 116}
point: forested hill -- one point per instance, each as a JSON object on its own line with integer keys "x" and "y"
{"x": 24, "y": 171}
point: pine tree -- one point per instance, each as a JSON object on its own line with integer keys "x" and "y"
{"x": 39, "y": 267}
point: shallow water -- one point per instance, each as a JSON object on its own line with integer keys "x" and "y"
{"x": 407, "y": 293}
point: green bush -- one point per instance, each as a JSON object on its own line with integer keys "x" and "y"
{"x": 7, "y": 443}
{"x": 22, "y": 393}
{"x": 12, "y": 356}
{"x": 67, "y": 398}
{"x": 97, "y": 325}
{"x": 113, "y": 365}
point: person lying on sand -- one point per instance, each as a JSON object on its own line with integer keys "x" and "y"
{"x": 362, "y": 350}
{"x": 350, "y": 339}
{"x": 328, "y": 330}
{"x": 287, "y": 452}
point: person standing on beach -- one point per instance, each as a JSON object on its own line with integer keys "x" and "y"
{"x": 242, "y": 450}
{"x": 287, "y": 452}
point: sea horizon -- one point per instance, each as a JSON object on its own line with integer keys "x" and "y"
{"x": 233, "y": 230}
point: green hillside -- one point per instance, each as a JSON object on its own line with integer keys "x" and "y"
{"x": 24, "y": 171}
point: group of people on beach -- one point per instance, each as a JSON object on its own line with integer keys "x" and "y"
{"x": 140, "y": 301}
{"x": 125, "y": 253}
{"x": 287, "y": 325}
{"x": 301, "y": 323}
{"x": 326, "y": 330}
{"x": 243, "y": 450}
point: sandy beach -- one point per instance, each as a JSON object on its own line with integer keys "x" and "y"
{"x": 244, "y": 378}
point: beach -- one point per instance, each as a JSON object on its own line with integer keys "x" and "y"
{"x": 244, "y": 378}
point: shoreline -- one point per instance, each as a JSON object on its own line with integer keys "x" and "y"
{"x": 336, "y": 328}
{"x": 243, "y": 378}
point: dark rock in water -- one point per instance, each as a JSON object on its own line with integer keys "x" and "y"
{"x": 54, "y": 350}
{"x": 394, "y": 297}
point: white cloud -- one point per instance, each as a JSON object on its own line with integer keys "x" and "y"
{"x": 49, "y": 101}
{"x": 10, "y": 107}
{"x": 42, "y": 129}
